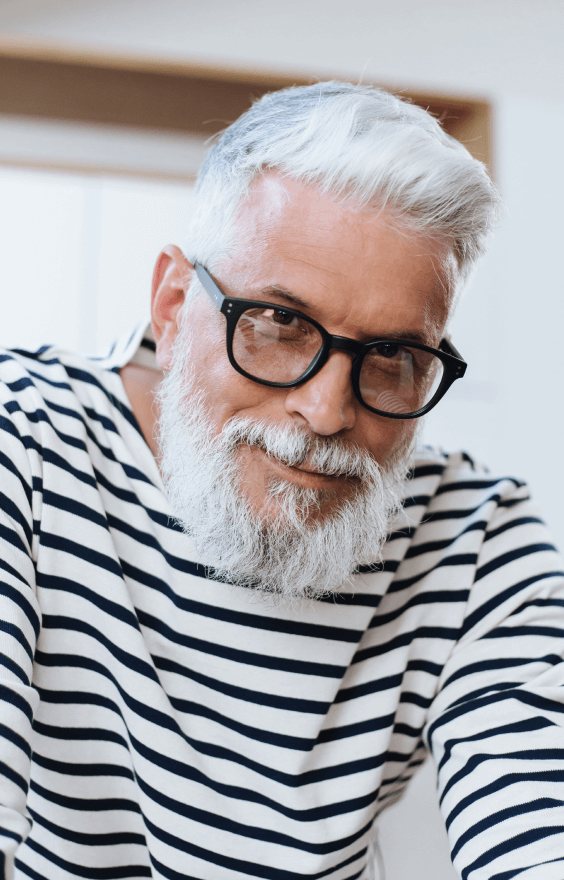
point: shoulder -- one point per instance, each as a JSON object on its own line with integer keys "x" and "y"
{"x": 454, "y": 488}
{"x": 45, "y": 381}
{"x": 48, "y": 397}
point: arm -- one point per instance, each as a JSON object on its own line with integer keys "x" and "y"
{"x": 19, "y": 628}
{"x": 496, "y": 724}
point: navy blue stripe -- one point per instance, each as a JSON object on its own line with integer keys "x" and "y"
{"x": 511, "y": 556}
{"x": 111, "y": 838}
{"x": 358, "y": 728}
{"x": 260, "y": 698}
{"x": 509, "y": 875}
{"x": 114, "y": 609}
{"x": 509, "y": 632}
{"x": 81, "y": 551}
{"x": 79, "y": 734}
{"x": 403, "y": 639}
{"x": 526, "y": 838}
{"x": 502, "y": 597}
{"x": 522, "y": 755}
{"x": 8, "y": 426}
{"x": 476, "y": 484}
{"x": 131, "y": 661}
{"x": 251, "y": 832}
{"x": 73, "y": 768}
{"x": 251, "y": 869}
{"x": 34, "y": 355}
{"x": 15, "y": 514}
{"x": 39, "y": 416}
{"x": 15, "y": 699}
{"x": 285, "y": 664}
{"x": 230, "y": 615}
{"x": 407, "y": 730}
{"x": 64, "y": 386}
{"x": 120, "y": 872}
{"x": 162, "y": 519}
{"x": 103, "y": 420}
{"x": 71, "y": 505}
{"x": 537, "y": 778}
{"x": 171, "y": 874}
{"x": 528, "y": 725}
{"x": 416, "y": 501}
{"x": 14, "y": 737}
{"x": 12, "y": 630}
{"x": 19, "y": 384}
{"x": 97, "y": 805}
{"x": 18, "y": 599}
{"x": 430, "y": 597}
{"x": 456, "y": 559}
{"x": 415, "y": 699}
{"x": 158, "y": 718}
{"x": 5, "y": 566}
{"x": 234, "y": 792}
{"x": 503, "y": 663}
{"x": 90, "y": 379}
{"x": 14, "y": 777}
{"x": 415, "y": 550}
{"x": 12, "y": 537}
{"x": 12, "y": 835}
{"x": 522, "y": 696}
{"x": 369, "y": 687}
{"x": 280, "y": 740}
{"x": 9, "y": 465}
{"x": 51, "y": 457}
{"x": 25, "y": 869}
{"x": 426, "y": 470}
{"x": 510, "y": 812}
{"x": 13, "y": 667}
{"x": 512, "y": 524}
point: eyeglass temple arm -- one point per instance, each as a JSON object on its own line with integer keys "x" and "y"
{"x": 447, "y": 346}
{"x": 210, "y": 286}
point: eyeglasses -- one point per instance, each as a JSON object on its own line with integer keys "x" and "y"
{"x": 281, "y": 347}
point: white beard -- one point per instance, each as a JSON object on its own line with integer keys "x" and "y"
{"x": 291, "y": 552}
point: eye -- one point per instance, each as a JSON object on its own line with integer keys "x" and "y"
{"x": 387, "y": 349}
{"x": 283, "y": 318}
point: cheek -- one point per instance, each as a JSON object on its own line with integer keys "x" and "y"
{"x": 226, "y": 392}
{"x": 385, "y": 437}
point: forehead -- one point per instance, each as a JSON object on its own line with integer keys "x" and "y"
{"x": 357, "y": 267}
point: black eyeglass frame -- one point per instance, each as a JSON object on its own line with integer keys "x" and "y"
{"x": 233, "y": 307}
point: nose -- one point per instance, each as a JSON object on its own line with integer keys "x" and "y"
{"x": 326, "y": 402}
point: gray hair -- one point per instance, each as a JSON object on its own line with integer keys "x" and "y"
{"x": 358, "y": 144}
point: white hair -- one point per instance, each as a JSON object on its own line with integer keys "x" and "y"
{"x": 358, "y": 144}
{"x": 285, "y": 550}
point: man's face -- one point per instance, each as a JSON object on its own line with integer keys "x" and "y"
{"x": 352, "y": 272}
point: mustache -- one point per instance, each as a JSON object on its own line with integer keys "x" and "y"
{"x": 293, "y": 446}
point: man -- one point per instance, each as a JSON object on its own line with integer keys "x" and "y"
{"x": 238, "y": 605}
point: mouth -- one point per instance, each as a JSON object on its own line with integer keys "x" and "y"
{"x": 305, "y": 474}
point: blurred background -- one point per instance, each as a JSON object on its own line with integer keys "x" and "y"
{"x": 105, "y": 109}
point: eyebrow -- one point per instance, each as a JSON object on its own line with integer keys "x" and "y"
{"x": 296, "y": 302}
{"x": 287, "y": 296}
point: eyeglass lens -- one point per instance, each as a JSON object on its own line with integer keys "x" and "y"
{"x": 276, "y": 346}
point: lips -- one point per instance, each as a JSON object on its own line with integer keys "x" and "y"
{"x": 308, "y": 470}
{"x": 312, "y": 469}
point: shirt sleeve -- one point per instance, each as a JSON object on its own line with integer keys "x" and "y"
{"x": 19, "y": 629}
{"x": 495, "y": 727}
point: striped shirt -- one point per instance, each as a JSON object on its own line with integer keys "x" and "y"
{"x": 159, "y": 723}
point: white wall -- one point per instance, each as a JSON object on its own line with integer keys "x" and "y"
{"x": 77, "y": 253}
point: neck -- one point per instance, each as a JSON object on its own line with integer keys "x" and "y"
{"x": 141, "y": 384}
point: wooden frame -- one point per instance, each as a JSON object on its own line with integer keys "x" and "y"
{"x": 57, "y": 82}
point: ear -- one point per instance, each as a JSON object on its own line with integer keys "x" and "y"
{"x": 170, "y": 280}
